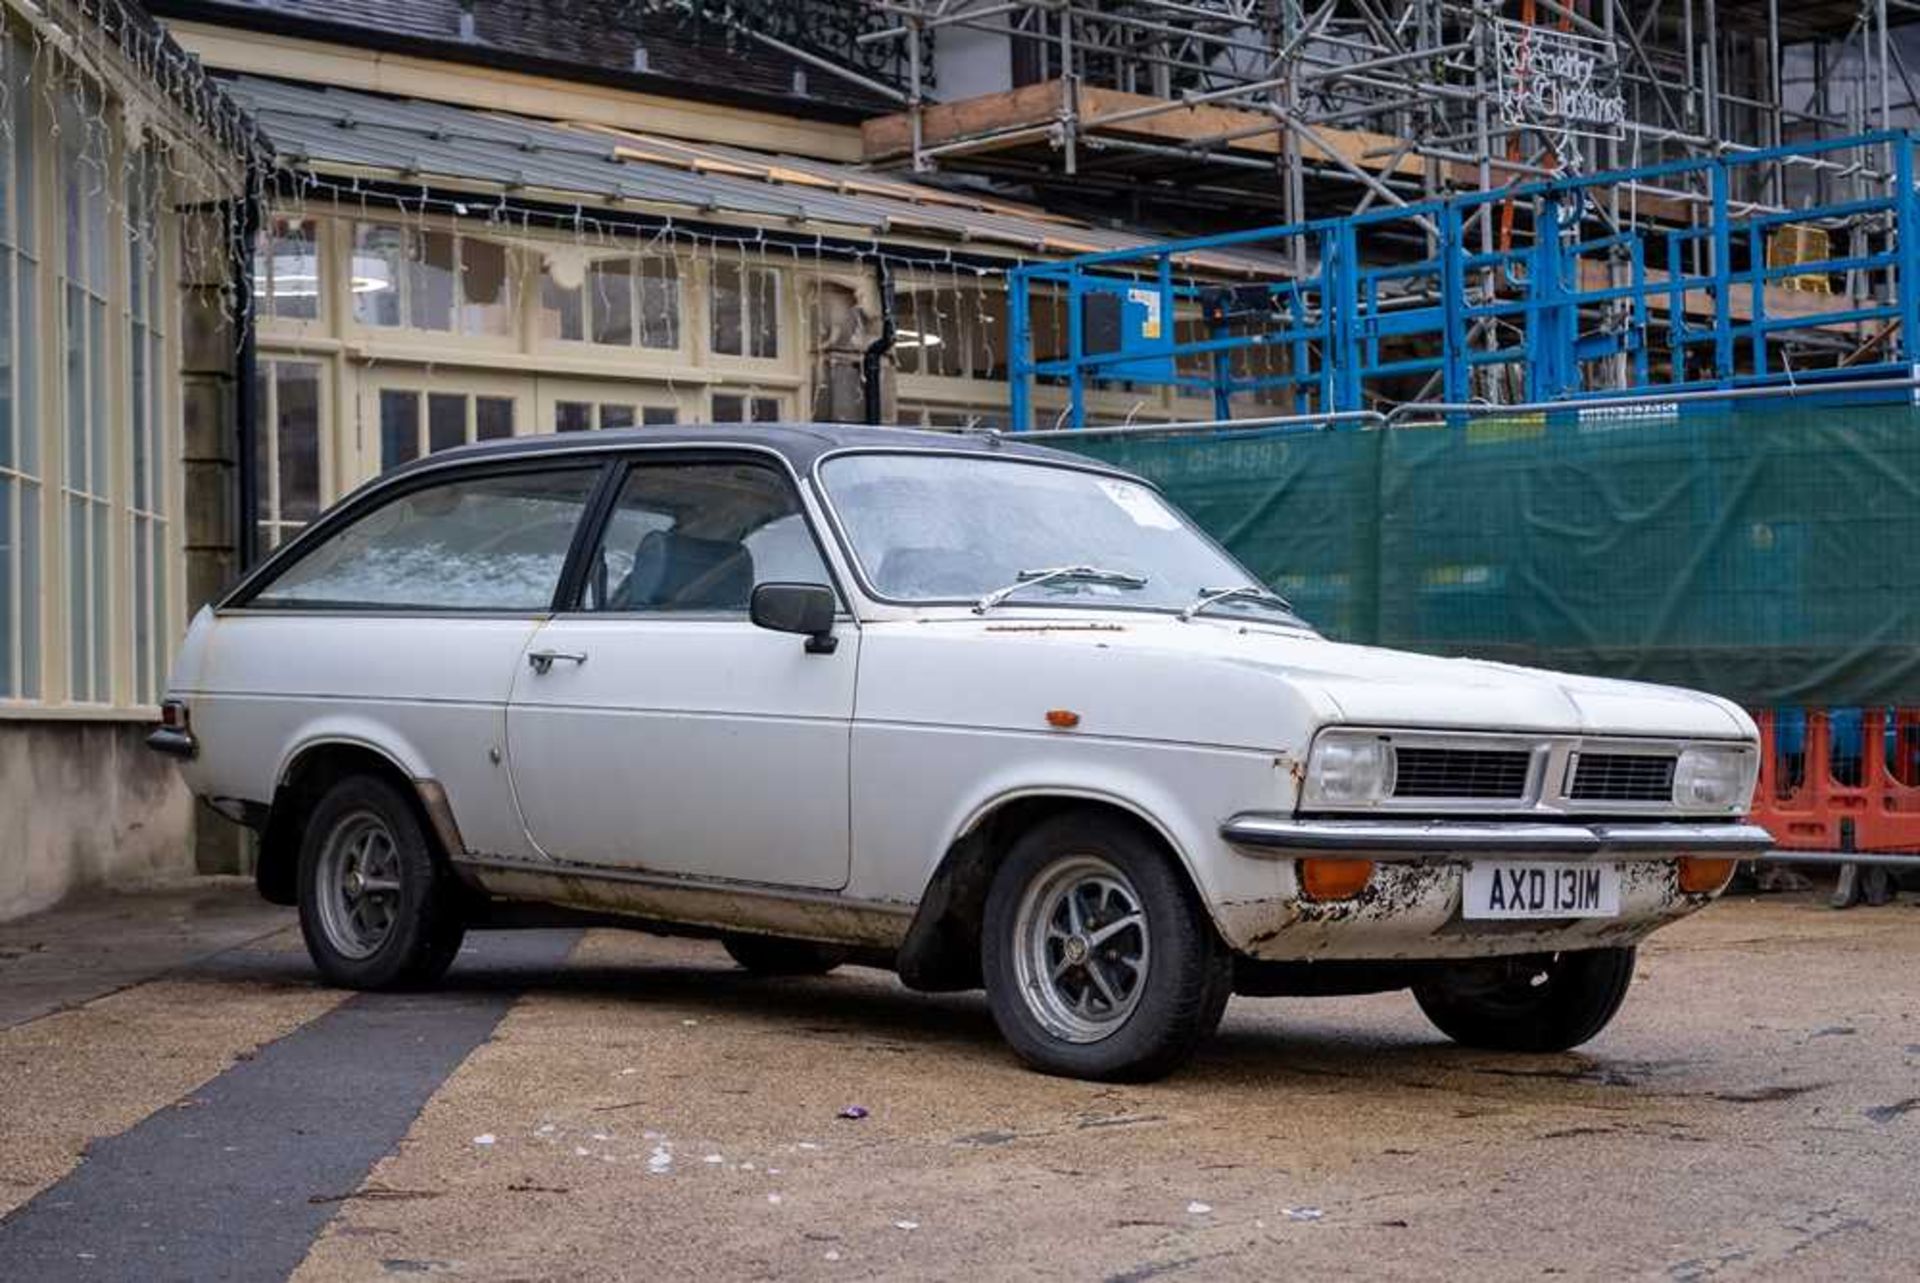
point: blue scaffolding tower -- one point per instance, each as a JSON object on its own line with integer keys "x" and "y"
{"x": 1344, "y": 314}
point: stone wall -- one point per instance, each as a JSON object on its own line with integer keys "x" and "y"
{"x": 86, "y": 804}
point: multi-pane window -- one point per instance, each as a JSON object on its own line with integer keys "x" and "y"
{"x": 286, "y": 270}
{"x": 581, "y": 416}
{"x": 621, "y": 301}
{"x": 147, "y": 425}
{"x": 413, "y": 423}
{"x": 739, "y": 407}
{"x": 86, "y": 488}
{"x": 287, "y": 461}
{"x": 746, "y": 311}
{"x": 428, "y": 280}
{"x": 956, "y": 332}
{"x": 19, "y": 393}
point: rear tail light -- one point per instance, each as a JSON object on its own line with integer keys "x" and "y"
{"x": 1702, "y": 875}
{"x": 1334, "y": 879}
{"x": 174, "y": 735}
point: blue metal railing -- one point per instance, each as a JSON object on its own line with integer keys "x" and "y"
{"x": 1397, "y": 298}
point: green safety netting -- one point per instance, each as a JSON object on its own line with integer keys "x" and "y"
{"x": 1769, "y": 554}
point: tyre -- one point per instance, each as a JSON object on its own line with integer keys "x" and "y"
{"x": 1099, "y": 960}
{"x": 1539, "y": 1002}
{"x": 378, "y": 908}
{"x": 772, "y": 956}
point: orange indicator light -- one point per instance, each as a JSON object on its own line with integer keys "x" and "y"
{"x": 1334, "y": 879}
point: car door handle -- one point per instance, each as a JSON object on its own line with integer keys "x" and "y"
{"x": 541, "y": 661}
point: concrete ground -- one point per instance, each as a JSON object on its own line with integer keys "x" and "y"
{"x": 613, "y": 1106}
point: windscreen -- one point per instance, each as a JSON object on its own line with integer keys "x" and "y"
{"x": 948, "y": 528}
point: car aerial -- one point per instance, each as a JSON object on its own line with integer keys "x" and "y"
{"x": 986, "y": 714}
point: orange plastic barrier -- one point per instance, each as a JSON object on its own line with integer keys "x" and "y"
{"x": 1815, "y": 801}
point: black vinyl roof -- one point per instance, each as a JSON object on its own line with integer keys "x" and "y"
{"x": 801, "y": 444}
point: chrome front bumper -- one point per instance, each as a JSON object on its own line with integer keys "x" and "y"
{"x": 1286, "y": 837}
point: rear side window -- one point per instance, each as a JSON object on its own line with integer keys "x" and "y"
{"x": 487, "y": 543}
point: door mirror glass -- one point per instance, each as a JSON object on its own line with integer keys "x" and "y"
{"x": 806, "y": 609}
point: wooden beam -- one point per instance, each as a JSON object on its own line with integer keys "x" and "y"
{"x": 1781, "y": 303}
{"x": 890, "y": 137}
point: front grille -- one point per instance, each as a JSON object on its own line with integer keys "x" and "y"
{"x": 1622, "y": 777}
{"x": 1461, "y": 772}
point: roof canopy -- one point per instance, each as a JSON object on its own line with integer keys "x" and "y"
{"x": 338, "y": 132}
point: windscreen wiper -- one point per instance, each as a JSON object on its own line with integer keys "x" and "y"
{"x": 1245, "y": 592}
{"x": 1055, "y": 574}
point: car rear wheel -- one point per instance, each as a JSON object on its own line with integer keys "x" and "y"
{"x": 1539, "y": 1002}
{"x": 772, "y": 956}
{"x": 1099, "y": 960}
{"x": 377, "y": 908}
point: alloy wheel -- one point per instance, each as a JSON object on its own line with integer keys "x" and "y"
{"x": 1082, "y": 948}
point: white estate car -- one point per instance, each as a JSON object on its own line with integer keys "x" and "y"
{"x": 978, "y": 712}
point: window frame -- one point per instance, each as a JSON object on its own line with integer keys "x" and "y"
{"x": 567, "y": 603}
{"x": 266, "y": 312}
{"x": 151, "y": 527}
{"x": 634, "y": 348}
{"x": 649, "y": 393}
{"x": 30, "y": 476}
{"x": 471, "y": 387}
{"x": 786, "y": 338}
{"x": 407, "y": 481}
{"x": 274, "y": 529}
{"x": 88, "y": 277}
{"x": 751, "y": 399}
{"x": 406, "y": 288}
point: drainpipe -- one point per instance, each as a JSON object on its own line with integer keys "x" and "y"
{"x": 870, "y": 359}
{"x": 245, "y": 404}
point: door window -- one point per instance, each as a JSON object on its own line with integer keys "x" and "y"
{"x": 699, "y": 537}
{"x": 488, "y": 543}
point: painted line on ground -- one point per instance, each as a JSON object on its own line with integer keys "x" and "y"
{"x": 237, "y": 1180}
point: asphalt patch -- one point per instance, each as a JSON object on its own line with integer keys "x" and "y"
{"x": 237, "y": 1180}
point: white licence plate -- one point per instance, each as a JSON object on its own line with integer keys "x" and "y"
{"x": 1517, "y": 889}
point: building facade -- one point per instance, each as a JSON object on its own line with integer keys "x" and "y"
{"x": 122, "y": 175}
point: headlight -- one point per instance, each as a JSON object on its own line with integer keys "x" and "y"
{"x": 1348, "y": 768}
{"x": 1715, "y": 777}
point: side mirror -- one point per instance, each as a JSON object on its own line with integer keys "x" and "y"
{"x": 806, "y": 609}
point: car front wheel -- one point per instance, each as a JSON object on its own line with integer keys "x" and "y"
{"x": 1098, "y": 958}
{"x": 1538, "y": 1002}
{"x": 378, "y": 910}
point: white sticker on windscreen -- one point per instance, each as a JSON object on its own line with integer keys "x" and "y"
{"x": 1141, "y": 504}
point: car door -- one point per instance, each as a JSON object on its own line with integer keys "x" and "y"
{"x": 654, "y": 727}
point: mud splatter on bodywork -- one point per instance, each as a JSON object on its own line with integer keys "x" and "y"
{"x": 1413, "y": 911}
